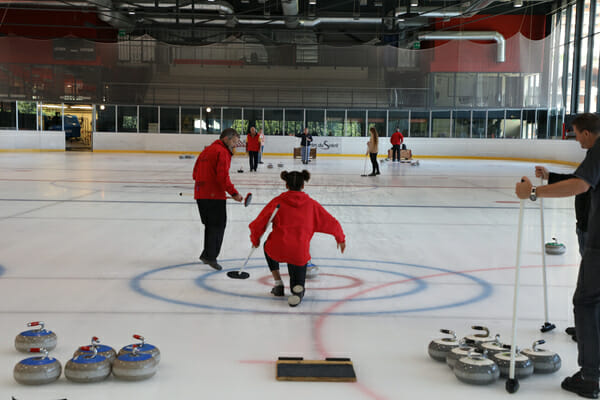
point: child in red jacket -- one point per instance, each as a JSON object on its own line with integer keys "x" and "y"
{"x": 297, "y": 219}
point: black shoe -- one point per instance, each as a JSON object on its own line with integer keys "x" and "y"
{"x": 372, "y": 174}
{"x": 277, "y": 290}
{"x": 584, "y": 388}
{"x": 260, "y": 162}
{"x": 297, "y": 295}
{"x": 570, "y": 330}
{"x": 212, "y": 263}
{"x": 378, "y": 173}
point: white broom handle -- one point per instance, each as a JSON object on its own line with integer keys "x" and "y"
{"x": 513, "y": 347}
{"x": 254, "y": 248}
{"x": 544, "y": 273}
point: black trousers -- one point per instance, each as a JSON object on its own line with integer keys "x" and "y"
{"x": 374, "y": 163}
{"x": 586, "y": 307}
{"x": 396, "y": 152}
{"x": 253, "y": 155}
{"x": 213, "y": 215}
{"x": 297, "y": 272}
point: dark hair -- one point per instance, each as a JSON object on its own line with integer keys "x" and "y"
{"x": 295, "y": 179}
{"x": 228, "y": 133}
{"x": 587, "y": 121}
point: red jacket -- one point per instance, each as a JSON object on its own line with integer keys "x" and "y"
{"x": 298, "y": 218}
{"x": 397, "y": 138}
{"x": 253, "y": 143}
{"x": 211, "y": 173}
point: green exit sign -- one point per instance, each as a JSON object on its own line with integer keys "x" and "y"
{"x": 416, "y": 45}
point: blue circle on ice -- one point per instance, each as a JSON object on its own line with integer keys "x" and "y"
{"x": 129, "y": 357}
{"x": 83, "y": 359}
{"x": 485, "y": 290}
{"x": 36, "y": 333}
{"x": 33, "y": 361}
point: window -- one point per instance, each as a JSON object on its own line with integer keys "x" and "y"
{"x": 315, "y": 121}
{"x": 462, "y": 124}
{"x": 148, "y": 119}
{"x": 495, "y": 124}
{"x": 211, "y": 121}
{"x": 512, "y": 125}
{"x": 377, "y": 120}
{"x": 8, "y": 115}
{"x": 355, "y": 123}
{"x": 105, "y": 118}
{"x": 440, "y": 124}
{"x": 127, "y": 119}
{"x": 232, "y": 118}
{"x": 169, "y": 120}
{"x": 419, "y": 124}
{"x": 294, "y": 121}
{"x": 335, "y": 122}
{"x": 273, "y": 122}
{"x": 479, "y": 124}
{"x": 253, "y": 117}
{"x": 190, "y": 120}
{"x": 398, "y": 120}
{"x": 27, "y": 115}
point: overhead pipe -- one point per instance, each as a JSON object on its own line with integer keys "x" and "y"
{"x": 290, "y": 11}
{"x": 473, "y": 35}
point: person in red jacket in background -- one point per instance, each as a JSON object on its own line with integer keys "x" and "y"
{"x": 396, "y": 141}
{"x": 295, "y": 223}
{"x": 253, "y": 148}
{"x": 211, "y": 174}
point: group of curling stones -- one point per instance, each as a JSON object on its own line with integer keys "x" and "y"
{"x": 480, "y": 359}
{"x": 90, "y": 363}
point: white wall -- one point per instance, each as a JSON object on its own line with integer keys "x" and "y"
{"x": 560, "y": 150}
{"x": 32, "y": 140}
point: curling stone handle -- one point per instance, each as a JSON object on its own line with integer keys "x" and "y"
{"x": 481, "y": 328}
{"x": 537, "y": 343}
{"x": 85, "y": 348}
{"x": 139, "y": 337}
{"x": 39, "y": 350}
{"x": 36, "y": 323}
{"x": 449, "y": 332}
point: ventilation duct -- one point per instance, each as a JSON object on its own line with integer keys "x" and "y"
{"x": 474, "y": 35}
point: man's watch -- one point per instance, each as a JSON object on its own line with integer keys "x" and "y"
{"x": 533, "y": 195}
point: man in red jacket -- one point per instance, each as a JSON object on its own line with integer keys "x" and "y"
{"x": 211, "y": 174}
{"x": 396, "y": 141}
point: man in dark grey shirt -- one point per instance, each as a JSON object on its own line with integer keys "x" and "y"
{"x": 586, "y": 300}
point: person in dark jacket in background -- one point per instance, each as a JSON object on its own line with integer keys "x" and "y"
{"x": 295, "y": 223}
{"x": 253, "y": 148}
{"x": 211, "y": 176}
{"x": 305, "y": 144}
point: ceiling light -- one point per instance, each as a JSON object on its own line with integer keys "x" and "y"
{"x": 312, "y": 2}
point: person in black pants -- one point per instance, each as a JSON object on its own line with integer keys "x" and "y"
{"x": 373, "y": 149}
{"x": 586, "y": 300}
{"x": 253, "y": 148}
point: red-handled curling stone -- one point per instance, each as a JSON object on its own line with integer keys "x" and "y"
{"x": 438, "y": 349}
{"x": 88, "y": 367}
{"x": 544, "y": 361}
{"x": 142, "y": 348}
{"x": 37, "y": 370}
{"x": 134, "y": 365}
{"x": 35, "y": 338}
{"x": 105, "y": 351}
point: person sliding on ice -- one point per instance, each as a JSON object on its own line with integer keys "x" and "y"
{"x": 297, "y": 220}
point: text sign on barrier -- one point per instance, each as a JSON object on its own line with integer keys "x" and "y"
{"x": 328, "y": 144}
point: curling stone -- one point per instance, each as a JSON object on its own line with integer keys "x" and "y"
{"x": 555, "y": 248}
{"x": 544, "y": 361}
{"x": 476, "y": 369}
{"x": 458, "y": 352}
{"x": 89, "y": 367}
{"x": 479, "y": 338}
{"x": 523, "y": 365}
{"x": 269, "y": 165}
{"x": 37, "y": 370}
{"x": 280, "y": 165}
{"x": 494, "y": 347}
{"x": 241, "y": 170}
{"x": 35, "y": 338}
{"x": 312, "y": 272}
{"x": 142, "y": 348}
{"x": 438, "y": 349}
{"x": 134, "y": 366}
{"x": 105, "y": 351}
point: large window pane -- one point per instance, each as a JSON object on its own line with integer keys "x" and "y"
{"x": 148, "y": 119}
{"x": 488, "y": 92}
{"x": 51, "y": 117}
{"x": 419, "y": 124}
{"x": 466, "y": 83}
{"x": 397, "y": 120}
{"x": 8, "y": 115}
{"x": 512, "y": 127}
{"x": 440, "y": 124}
{"x": 315, "y": 121}
{"x": 443, "y": 89}
{"x": 105, "y": 118}
{"x": 541, "y": 124}
{"x": 127, "y": 119}
{"x": 232, "y": 118}
{"x": 555, "y": 125}
{"x": 190, "y": 120}
{"x": 377, "y": 120}
{"x": 355, "y": 123}
{"x": 169, "y": 120}
{"x": 27, "y": 115}
{"x": 462, "y": 124}
{"x": 253, "y": 117}
{"x": 479, "y": 124}
{"x": 511, "y": 92}
{"x": 211, "y": 121}
{"x": 572, "y": 44}
{"x": 495, "y": 124}
{"x": 529, "y": 126}
{"x": 294, "y": 122}
{"x": 273, "y": 122}
{"x": 335, "y": 122}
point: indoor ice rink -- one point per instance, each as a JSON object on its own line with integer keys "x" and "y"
{"x": 102, "y": 244}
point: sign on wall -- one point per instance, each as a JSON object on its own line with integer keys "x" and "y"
{"x": 328, "y": 144}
